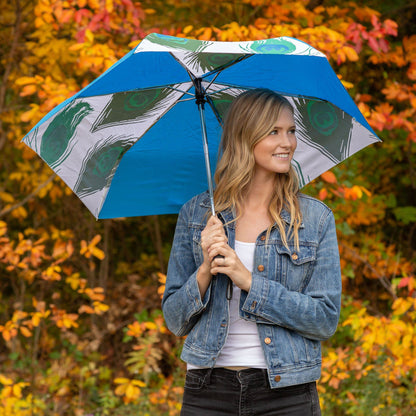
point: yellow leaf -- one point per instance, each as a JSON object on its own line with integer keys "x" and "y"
{"x": 36, "y": 319}
{"x": 98, "y": 253}
{"x": 121, "y": 380}
{"x": 25, "y": 80}
{"x": 132, "y": 392}
{"x": 120, "y": 390}
{"x": 25, "y": 332}
{"x": 347, "y": 85}
{"x": 30, "y": 114}
{"x": 95, "y": 240}
{"x": 6, "y": 197}
{"x": 84, "y": 249}
{"x": 76, "y": 47}
{"x": 73, "y": 281}
{"x": 3, "y": 228}
{"x": 150, "y": 325}
{"x": 89, "y": 36}
{"x": 5, "y": 380}
{"x": 109, "y": 6}
{"x": 402, "y": 305}
{"x": 100, "y": 308}
{"x": 352, "y": 55}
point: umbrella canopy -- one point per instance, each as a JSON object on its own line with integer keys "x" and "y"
{"x": 129, "y": 143}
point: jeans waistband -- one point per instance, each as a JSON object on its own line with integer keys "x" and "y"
{"x": 246, "y": 376}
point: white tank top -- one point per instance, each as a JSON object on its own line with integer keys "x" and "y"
{"x": 242, "y": 347}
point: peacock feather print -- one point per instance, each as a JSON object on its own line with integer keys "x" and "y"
{"x": 57, "y": 136}
{"x": 131, "y": 107}
{"x": 220, "y": 101}
{"x": 325, "y": 127}
{"x": 100, "y": 163}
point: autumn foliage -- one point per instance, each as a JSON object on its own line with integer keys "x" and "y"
{"x": 81, "y": 331}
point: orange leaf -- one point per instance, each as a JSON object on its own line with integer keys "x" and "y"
{"x": 329, "y": 177}
{"x": 323, "y": 193}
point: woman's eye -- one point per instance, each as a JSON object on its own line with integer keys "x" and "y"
{"x": 274, "y": 132}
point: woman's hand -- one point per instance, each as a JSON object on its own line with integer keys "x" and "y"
{"x": 211, "y": 234}
{"x": 225, "y": 260}
{"x": 219, "y": 257}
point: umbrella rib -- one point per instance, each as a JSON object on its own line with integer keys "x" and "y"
{"x": 219, "y": 72}
{"x": 186, "y": 99}
{"x": 183, "y": 92}
{"x": 217, "y": 91}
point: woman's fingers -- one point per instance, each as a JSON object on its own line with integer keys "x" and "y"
{"x": 225, "y": 260}
{"x": 212, "y": 233}
{"x": 220, "y": 248}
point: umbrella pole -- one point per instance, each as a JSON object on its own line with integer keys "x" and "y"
{"x": 206, "y": 155}
{"x": 200, "y": 101}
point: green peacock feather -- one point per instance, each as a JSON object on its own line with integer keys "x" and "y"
{"x": 131, "y": 107}
{"x": 100, "y": 164}
{"x": 327, "y": 127}
{"x": 220, "y": 102}
{"x": 55, "y": 140}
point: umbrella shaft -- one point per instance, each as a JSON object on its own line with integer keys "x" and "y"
{"x": 206, "y": 154}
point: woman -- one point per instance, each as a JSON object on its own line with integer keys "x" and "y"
{"x": 259, "y": 352}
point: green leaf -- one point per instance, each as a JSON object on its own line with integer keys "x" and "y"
{"x": 391, "y": 201}
{"x": 345, "y": 229}
{"x": 406, "y": 215}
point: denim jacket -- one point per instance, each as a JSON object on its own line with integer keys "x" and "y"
{"x": 294, "y": 298}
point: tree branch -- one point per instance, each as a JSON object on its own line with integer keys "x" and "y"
{"x": 380, "y": 276}
{"x": 28, "y": 197}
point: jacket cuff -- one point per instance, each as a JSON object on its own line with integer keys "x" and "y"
{"x": 257, "y": 295}
{"x": 192, "y": 291}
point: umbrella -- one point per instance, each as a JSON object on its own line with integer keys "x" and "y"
{"x": 129, "y": 143}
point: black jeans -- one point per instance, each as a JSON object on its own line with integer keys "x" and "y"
{"x": 223, "y": 392}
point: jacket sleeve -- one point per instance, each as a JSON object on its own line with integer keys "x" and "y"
{"x": 182, "y": 304}
{"x": 314, "y": 313}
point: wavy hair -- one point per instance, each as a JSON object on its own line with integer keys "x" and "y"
{"x": 250, "y": 119}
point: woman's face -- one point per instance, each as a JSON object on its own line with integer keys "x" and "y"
{"x": 274, "y": 153}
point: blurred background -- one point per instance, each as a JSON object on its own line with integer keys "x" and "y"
{"x": 81, "y": 331}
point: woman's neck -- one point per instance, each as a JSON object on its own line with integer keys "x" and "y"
{"x": 260, "y": 192}
{"x": 254, "y": 217}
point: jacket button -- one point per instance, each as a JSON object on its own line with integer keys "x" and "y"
{"x": 263, "y": 237}
{"x": 277, "y": 379}
{"x": 295, "y": 256}
{"x": 260, "y": 268}
{"x": 267, "y": 340}
{"x": 254, "y": 304}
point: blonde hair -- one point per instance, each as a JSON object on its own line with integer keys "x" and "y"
{"x": 250, "y": 118}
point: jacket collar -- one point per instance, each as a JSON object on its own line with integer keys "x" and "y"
{"x": 228, "y": 215}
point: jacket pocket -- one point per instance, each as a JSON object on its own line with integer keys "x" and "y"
{"x": 196, "y": 245}
{"x": 195, "y": 379}
{"x": 296, "y": 265}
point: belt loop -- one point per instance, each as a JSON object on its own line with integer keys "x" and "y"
{"x": 207, "y": 379}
